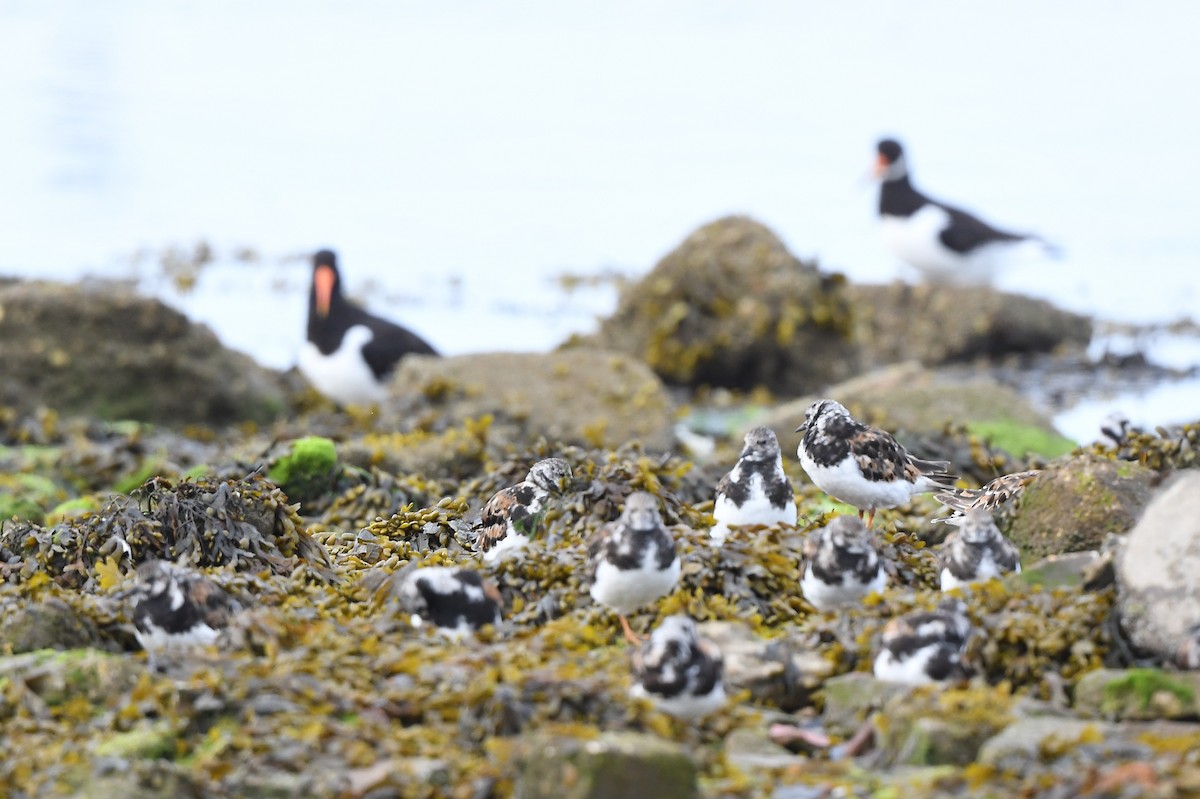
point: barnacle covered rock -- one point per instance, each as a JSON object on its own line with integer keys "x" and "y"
{"x": 609, "y": 766}
{"x": 1158, "y": 594}
{"x": 730, "y": 306}
{"x": 50, "y": 624}
{"x": 101, "y": 349}
{"x": 934, "y": 725}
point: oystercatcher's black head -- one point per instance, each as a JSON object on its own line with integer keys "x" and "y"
{"x": 890, "y": 164}
{"x": 326, "y": 283}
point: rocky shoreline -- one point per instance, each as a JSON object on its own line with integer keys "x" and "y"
{"x": 301, "y": 510}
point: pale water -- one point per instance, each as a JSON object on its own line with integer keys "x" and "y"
{"x": 462, "y": 155}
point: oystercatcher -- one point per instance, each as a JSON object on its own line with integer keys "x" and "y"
{"x": 941, "y": 241}
{"x": 350, "y": 353}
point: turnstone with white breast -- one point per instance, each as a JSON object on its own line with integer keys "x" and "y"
{"x": 977, "y": 551}
{"x": 939, "y": 240}
{"x": 841, "y": 565}
{"x": 633, "y": 560}
{"x": 350, "y": 353}
{"x": 926, "y": 646}
{"x": 176, "y": 608}
{"x": 755, "y": 491}
{"x": 861, "y": 465}
{"x": 511, "y": 517}
{"x": 456, "y": 601}
{"x": 996, "y": 493}
{"x": 680, "y": 672}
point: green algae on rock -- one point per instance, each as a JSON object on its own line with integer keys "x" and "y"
{"x": 307, "y": 469}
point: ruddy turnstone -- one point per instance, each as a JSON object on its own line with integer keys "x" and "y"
{"x": 633, "y": 560}
{"x": 939, "y": 240}
{"x": 925, "y": 646}
{"x": 681, "y": 673}
{"x": 841, "y": 565}
{"x": 977, "y": 551}
{"x": 511, "y": 517}
{"x": 861, "y": 465}
{"x": 755, "y": 491}
{"x": 456, "y": 601}
{"x": 176, "y": 608}
{"x": 350, "y": 353}
{"x": 1000, "y": 491}
{"x": 1188, "y": 655}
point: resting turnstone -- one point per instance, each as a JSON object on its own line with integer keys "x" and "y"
{"x": 861, "y": 465}
{"x": 1188, "y": 655}
{"x": 976, "y": 551}
{"x": 940, "y": 240}
{"x": 350, "y": 354}
{"x": 633, "y": 560}
{"x": 925, "y": 646}
{"x": 841, "y": 565}
{"x": 454, "y": 600}
{"x": 681, "y": 673}
{"x": 1000, "y": 491}
{"x": 511, "y": 517}
{"x": 756, "y": 491}
{"x": 175, "y": 608}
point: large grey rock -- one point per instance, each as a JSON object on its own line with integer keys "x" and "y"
{"x": 1158, "y": 594}
{"x": 1139, "y": 694}
{"x": 939, "y": 323}
{"x": 98, "y": 348}
{"x": 783, "y": 672}
{"x": 611, "y": 766}
{"x": 1022, "y": 743}
{"x": 52, "y": 624}
{"x": 730, "y": 306}
{"x": 586, "y": 397}
{"x": 1076, "y": 502}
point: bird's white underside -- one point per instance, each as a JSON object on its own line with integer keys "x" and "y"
{"x": 343, "y": 375}
{"x": 626, "y": 591}
{"x": 844, "y": 481}
{"x": 823, "y": 596}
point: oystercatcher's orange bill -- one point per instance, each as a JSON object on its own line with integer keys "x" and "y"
{"x": 323, "y": 279}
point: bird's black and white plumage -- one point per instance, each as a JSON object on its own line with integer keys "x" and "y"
{"x": 176, "y": 608}
{"x": 861, "y": 465}
{"x": 841, "y": 565}
{"x": 755, "y": 491}
{"x": 992, "y": 496}
{"x": 450, "y": 599}
{"x": 977, "y": 551}
{"x": 680, "y": 672}
{"x": 511, "y": 517}
{"x": 926, "y": 646}
{"x": 633, "y": 560}
{"x": 939, "y": 240}
{"x": 350, "y": 354}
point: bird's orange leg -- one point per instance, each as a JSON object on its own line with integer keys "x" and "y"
{"x": 871, "y": 517}
{"x": 630, "y": 635}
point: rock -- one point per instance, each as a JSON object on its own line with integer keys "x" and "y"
{"x": 1060, "y": 571}
{"x": 783, "y": 672}
{"x": 584, "y": 397}
{"x": 1076, "y": 502}
{"x": 52, "y": 624}
{"x": 1139, "y": 694}
{"x": 1023, "y": 742}
{"x": 753, "y": 749}
{"x": 732, "y": 307}
{"x": 57, "y": 677}
{"x": 851, "y": 698}
{"x": 98, "y": 348}
{"x": 148, "y": 740}
{"x": 934, "y": 725}
{"x": 910, "y": 399}
{"x": 940, "y": 323}
{"x": 610, "y": 766}
{"x": 141, "y": 779}
{"x": 1158, "y": 597}
{"x": 306, "y": 470}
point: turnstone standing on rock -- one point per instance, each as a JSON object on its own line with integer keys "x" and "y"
{"x": 756, "y": 491}
{"x": 925, "y": 646}
{"x": 456, "y": 601}
{"x": 633, "y": 560}
{"x": 939, "y": 240}
{"x": 1000, "y": 491}
{"x": 841, "y": 565}
{"x": 176, "y": 608}
{"x": 681, "y": 673}
{"x": 977, "y": 551}
{"x": 511, "y": 517}
{"x": 861, "y": 465}
{"x": 350, "y": 353}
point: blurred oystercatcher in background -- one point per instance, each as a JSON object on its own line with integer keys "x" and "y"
{"x": 941, "y": 241}
{"x": 350, "y": 353}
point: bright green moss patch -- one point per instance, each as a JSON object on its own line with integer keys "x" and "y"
{"x": 307, "y": 470}
{"x": 1020, "y": 439}
{"x": 1141, "y": 685}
